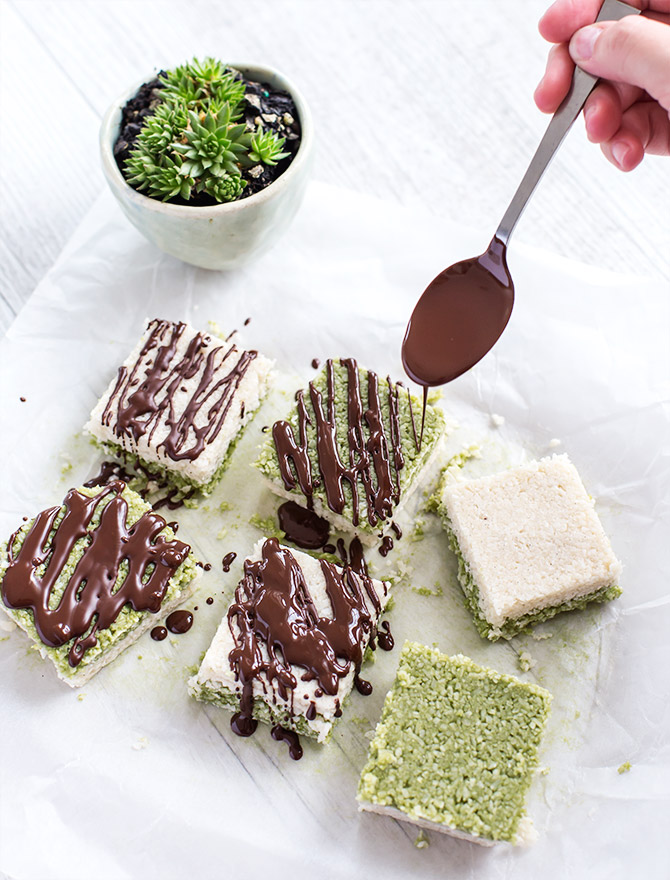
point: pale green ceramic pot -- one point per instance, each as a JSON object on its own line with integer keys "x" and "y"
{"x": 218, "y": 236}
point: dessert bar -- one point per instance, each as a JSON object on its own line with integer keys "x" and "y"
{"x": 529, "y": 545}
{"x": 86, "y": 578}
{"x": 352, "y": 449}
{"x": 456, "y": 748}
{"x": 179, "y": 403}
{"x": 290, "y": 648}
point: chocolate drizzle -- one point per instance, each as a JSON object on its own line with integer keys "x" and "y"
{"x": 276, "y": 627}
{"x": 109, "y": 471}
{"x": 92, "y": 599}
{"x": 145, "y": 396}
{"x": 363, "y": 466}
{"x": 385, "y": 639}
{"x": 386, "y": 545}
{"x": 281, "y": 734}
{"x": 362, "y": 686}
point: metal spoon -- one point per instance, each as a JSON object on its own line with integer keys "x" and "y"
{"x": 463, "y": 311}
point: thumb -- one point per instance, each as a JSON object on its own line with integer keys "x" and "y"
{"x": 634, "y": 50}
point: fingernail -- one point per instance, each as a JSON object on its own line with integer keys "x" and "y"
{"x": 583, "y": 43}
{"x": 619, "y": 153}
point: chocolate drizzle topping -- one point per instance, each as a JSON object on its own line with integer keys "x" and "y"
{"x": 92, "y": 599}
{"x": 291, "y": 738}
{"x": 275, "y": 626}
{"x": 385, "y": 639}
{"x": 365, "y": 464}
{"x": 144, "y": 396}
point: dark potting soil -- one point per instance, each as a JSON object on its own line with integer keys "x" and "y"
{"x": 262, "y": 104}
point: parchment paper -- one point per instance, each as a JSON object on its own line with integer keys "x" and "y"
{"x": 133, "y": 779}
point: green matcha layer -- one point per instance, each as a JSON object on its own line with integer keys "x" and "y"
{"x": 128, "y": 625}
{"x": 401, "y": 434}
{"x": 455, "y": 748}
{"x": 267, "y": 713}
{"x": 529, "y": 545}
{"x": 526, "y": 622}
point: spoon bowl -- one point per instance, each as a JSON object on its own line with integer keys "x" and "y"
{"x": 459, "y": 318}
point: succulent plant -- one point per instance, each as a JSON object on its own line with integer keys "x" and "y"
{"x": 194, "y": 141}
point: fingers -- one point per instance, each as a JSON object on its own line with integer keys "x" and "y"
{"x": 554, "y": 85}
{"x": 564, "y": 17}
{"x": 634, "y": 50}
{"x": 604, "y": 109}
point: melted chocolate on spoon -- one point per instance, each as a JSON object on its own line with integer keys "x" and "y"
{"x": 459, "y": 317}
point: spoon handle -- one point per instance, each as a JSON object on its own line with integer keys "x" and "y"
{"x": 582, "y": 86}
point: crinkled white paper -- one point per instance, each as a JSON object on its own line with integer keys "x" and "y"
{"x": 133, "y": 779}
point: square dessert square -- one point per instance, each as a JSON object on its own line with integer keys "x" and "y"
{"x": 180, "y": 401}
{"x": 86, "y": 578}
{"x": 289, "y": 650}
{"x": 455, "y": 748}
{"x": 352, "y": 448}
{"x": 529, "y": 545}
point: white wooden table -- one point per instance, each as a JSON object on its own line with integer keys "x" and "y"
{"x": 416, "y": 101}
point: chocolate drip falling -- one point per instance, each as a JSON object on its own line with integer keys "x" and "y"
{"x": 156, "y": 382}
{"x": 302, "y": 526}
{"x": 385, "y": 638}
{"x": 362, "y": 686}
{"x": 367, "y": 465}
{"x": 90, "y": 602}
{"x": 274, "y": 608}
{"x": 291, "y": 738}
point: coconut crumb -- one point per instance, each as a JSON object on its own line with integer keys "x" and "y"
{"x": 422, "y": 840}
{"x": 624, "y": 768}
{"x": 141, "y": 743}
{"x": 553, "y": 443}
{"x": 525, "y": 661}
{"x": 541, "y": 636}
{"x": 497, "y": 421}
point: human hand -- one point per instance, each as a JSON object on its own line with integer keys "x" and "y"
{"x": 628, "y": 113}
